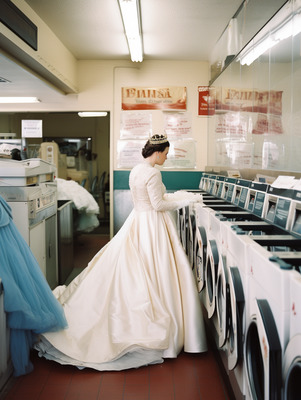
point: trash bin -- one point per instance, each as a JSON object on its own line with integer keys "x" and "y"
{"x": 65, "y": 239}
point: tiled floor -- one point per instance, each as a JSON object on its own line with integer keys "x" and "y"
{"x": 189, "y": 377}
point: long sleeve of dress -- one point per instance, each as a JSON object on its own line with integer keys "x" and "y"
{"x": 162, "y": 201}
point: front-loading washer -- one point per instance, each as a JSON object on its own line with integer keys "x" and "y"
{"x": 267, "y": 330}
{"x": 236, "y": 244}
{"x": 202, "y": 236}
{"x": 294, "y": 221}
{"x": 277, "y": 206}
{"x": 241, "y": 191}
{"x": 256, "y": 198}
{"x": 291, "y": 373}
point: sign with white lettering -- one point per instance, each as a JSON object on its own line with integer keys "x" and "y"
{"x": 154, "y": 98}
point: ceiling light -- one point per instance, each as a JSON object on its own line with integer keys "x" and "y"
{"x": 289, "y": 28}
{"x": 130, "y": 12}
{"x": 93, "y": 114}
{"x": 7, "y": 100}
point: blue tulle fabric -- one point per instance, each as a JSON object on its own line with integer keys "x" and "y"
{"x": 29, "y": 303}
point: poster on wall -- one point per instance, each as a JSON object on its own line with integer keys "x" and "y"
{"x": 206, "y": 100}
{"x": 268, "y": 123}
{"x": 177, "y": 125}
{"x": 182, "y": 154}
{"x": 129, "y": 153}
{"x": 232, "y": 125}
{"x": 259, "y": 101}
{"x": 153, "y": 98}
{"x": 135, "y": 125}
{"x": 235, "y": 154}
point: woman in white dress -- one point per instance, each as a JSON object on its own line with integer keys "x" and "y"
{"x": 136, "y": 302}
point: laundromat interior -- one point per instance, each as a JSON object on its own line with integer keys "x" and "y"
{"x": 222, "y": 79}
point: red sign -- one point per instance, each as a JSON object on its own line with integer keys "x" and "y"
{"x": 155, "y": 98}
{"x": 206, "y": 100}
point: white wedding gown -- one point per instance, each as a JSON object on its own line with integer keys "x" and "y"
{"x": 136, "y": 302}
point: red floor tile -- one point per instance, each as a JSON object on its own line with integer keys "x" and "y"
{"x": 189, "y": 377}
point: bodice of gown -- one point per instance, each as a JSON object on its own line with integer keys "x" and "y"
{"x": 148, "y": 191}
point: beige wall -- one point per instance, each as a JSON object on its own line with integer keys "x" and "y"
{"x": 96, "y": 85}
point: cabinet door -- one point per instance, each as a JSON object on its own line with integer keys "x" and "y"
{"x": 37, "y": 244}
{"x": 51, "y": 251}
{"x": 6, "y": 369}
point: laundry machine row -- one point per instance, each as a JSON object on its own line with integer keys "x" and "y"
{"x": 245, "y": 242}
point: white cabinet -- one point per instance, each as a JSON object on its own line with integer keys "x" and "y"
{"x": 6, "y": 368}
{"x": 41, "y": 236}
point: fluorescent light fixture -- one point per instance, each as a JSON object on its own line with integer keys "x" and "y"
{"x": 130, "y": 12}
{"x": 257, "y": 51}
{"x": 93, "y": 114}
{"x": 291, "y": 27}
{"x": 6, "y": 100}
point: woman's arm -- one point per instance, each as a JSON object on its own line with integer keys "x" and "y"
{"x": 157, "y": 198}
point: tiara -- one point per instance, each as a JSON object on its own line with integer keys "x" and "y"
{"x": 158, "y": 139}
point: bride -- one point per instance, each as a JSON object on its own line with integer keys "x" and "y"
{"x": 136, "y": 302}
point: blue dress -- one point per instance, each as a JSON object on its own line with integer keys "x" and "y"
{"x": 29, "y": 303}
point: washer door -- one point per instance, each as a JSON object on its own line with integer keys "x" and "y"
{"x": 292, "y": 369}
{"x": 186, "y": 229}
{"x": 222, "y": 301}
{"x": 263, "y": 354}
{"x": 236, "y": 318}
{"x": 211, "y": 276}
{"x": 201, "y": 257}
{"x": 181, "y": 225}
{"x": 191, "y": 239}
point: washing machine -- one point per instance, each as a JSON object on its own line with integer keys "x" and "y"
{"x": 229, "y": 189}
{"x": 267, "y": 330}
{"x": 235, "y": 244}
{"x": 236, "y": 230}
{"x": 291, "y": 372}
{"x": 201, "y": 238}
{"x": 278, "y": 206}
{"x": 294, "y": 220}
{"x": 241, "y": 191}
{"x": 256, "y": 198}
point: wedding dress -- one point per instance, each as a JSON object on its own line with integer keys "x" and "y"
{"x": 136, "y": 302}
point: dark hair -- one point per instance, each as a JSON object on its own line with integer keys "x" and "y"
{"x": 150, "y": 149}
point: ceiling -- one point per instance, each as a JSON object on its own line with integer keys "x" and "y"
{"x": 93, "y": 30}
{"x": 172, "y": 29}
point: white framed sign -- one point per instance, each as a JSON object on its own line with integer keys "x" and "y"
{"x": 32, "y": 128}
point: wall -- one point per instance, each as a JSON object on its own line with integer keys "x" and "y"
{"x": 100, "y": 83}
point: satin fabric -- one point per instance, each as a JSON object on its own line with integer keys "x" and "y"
{"x": 136, "y": 303}
{"x": 29, "y": 303}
